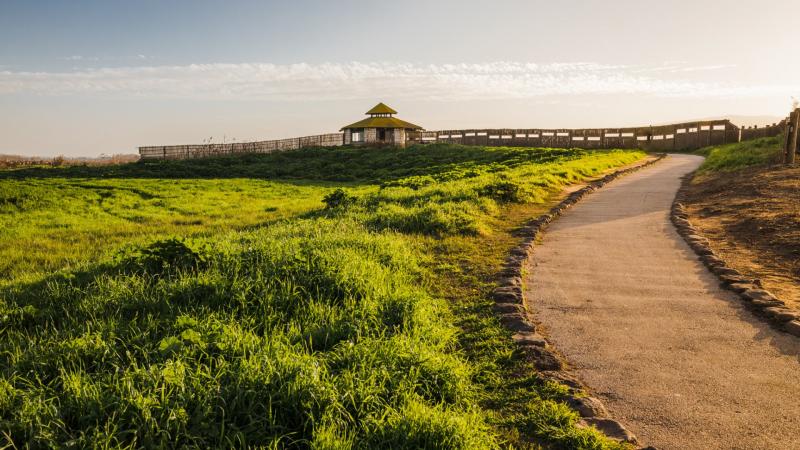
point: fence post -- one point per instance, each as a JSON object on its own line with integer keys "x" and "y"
{"x": 787, "y": 135}
{"x": 792, "y": 141}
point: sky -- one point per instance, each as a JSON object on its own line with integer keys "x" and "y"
{"x": 84, "y": 78}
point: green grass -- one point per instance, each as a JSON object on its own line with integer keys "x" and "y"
{"x": 731, "y": 157}
{"x": 270, "y": 319}
{"x": 51, "y": 223}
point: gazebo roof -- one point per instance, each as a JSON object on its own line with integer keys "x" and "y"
{"x": 383, "y": 122}
{"x": 381, "y": 108}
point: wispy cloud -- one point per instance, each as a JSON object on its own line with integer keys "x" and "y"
{"x": 680, "y": 67}
{"x": 77, "y": 58}
{"x": 703, "y": 68}
{"x": 332, "y": 81}
{"x": 82, "y": 58}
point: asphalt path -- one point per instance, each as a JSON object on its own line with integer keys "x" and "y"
{"x": 674, "y": 357}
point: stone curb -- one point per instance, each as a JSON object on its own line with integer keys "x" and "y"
{"x": 511, "y": 310}
{"x": 761, "y": 302}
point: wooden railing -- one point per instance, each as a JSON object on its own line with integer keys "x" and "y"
{"x": 682, "y": 136}
{"x": 207, "y": 150}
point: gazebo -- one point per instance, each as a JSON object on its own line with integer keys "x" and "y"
{"x": 379, "y": 128}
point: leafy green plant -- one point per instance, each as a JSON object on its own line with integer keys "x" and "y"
{"x": 338, "y": 199}
{"x": 168, "y": 255}
{"x": 504, "y": 191}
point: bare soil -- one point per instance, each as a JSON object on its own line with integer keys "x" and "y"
{"x": 752, "y": 218}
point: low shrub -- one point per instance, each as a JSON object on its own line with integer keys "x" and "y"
{"x": 504, "y": 191}
{"x": 338, "y": 199}
{"x": 166, "y": 255}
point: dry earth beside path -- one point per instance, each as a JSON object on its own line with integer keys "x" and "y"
{"x": 752, "y": 220}
{"x": 642, "y": 322}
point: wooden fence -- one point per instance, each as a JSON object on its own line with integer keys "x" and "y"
{"x": 682, "y": 136}
{"x": 206, "y": 150}
{"x": 792, "y": 136}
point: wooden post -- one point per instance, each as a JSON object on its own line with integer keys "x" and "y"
{"x": 787, "y": 135}
{"x": 674, "y": 138}
{"x": 792, "y": 147}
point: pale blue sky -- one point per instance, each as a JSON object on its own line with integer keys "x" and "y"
{"x": 90, "y": 77}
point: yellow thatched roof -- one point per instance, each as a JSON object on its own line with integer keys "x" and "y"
{"x": 383, "y": 122}
{"x": 380, "y": 108}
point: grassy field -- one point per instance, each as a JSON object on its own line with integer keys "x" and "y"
{"x": 51, "y": 223}
{"x": 324, "y": 298}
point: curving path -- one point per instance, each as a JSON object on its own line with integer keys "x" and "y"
{"x": 642, "y": 322}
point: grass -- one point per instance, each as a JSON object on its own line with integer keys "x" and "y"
{"x": 222, "y": 303}
{"x": 732, "y": 157}
{"x": 51, "y": 223}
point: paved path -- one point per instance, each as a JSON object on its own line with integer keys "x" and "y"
{"x": 646, "y": 327}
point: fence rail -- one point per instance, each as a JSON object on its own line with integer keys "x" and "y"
{"x": 206, "y": 150}
{"x": 681, "y": 136}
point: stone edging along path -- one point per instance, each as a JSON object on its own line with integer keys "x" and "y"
{"x": 763, "y": 303}
{"x": 510, "y": 307}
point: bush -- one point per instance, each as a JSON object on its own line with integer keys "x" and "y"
{"x": 339, "y": 199}
{"x": 167, "y": 255}
{"x": 504, "y": 191}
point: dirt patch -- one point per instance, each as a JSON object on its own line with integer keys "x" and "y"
{"x": 752, "y": 219}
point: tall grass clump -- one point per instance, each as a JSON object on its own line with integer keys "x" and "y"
{"x": 288, "y": 336}
{"x": 731, "y": 157}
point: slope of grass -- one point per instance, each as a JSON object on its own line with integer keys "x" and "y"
{"x": 313, "y": 163}
{"x": 54, "y": 217}
{"x": 731, "y": 157}
{"x": 326, "y": 327}
{"x": 50, "y": 223}
{"x": 288, "y": 335}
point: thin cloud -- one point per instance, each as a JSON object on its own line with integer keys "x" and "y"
{"x": 704, "y": 68}
{"x": 679, "y": 67}
{"x": 335, "y": 81}
{"x": 77, "y": 58}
